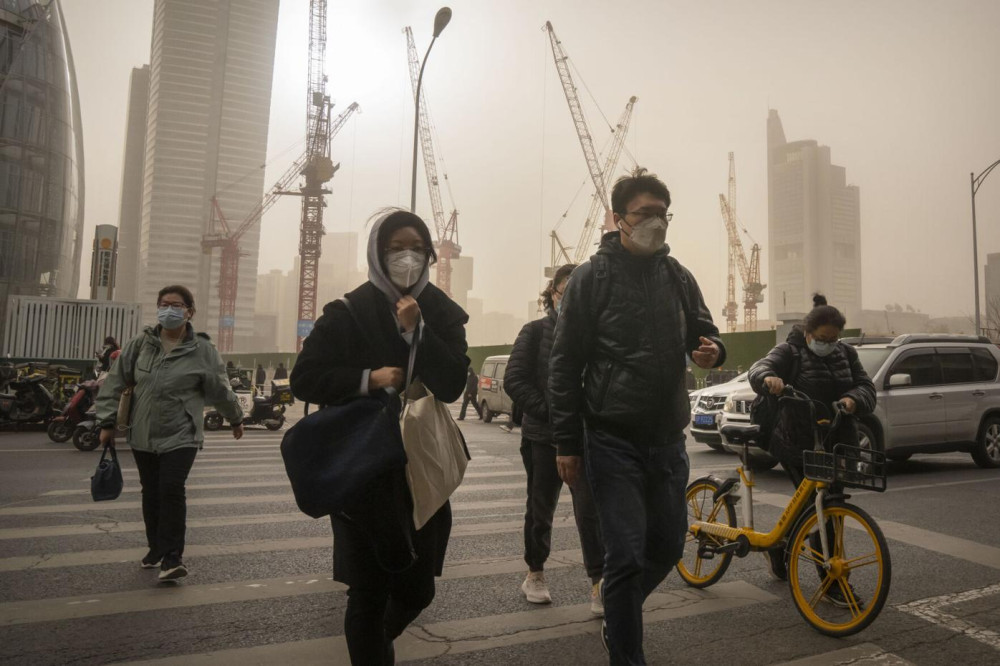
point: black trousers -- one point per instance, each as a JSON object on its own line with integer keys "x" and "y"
{"x": 544, "y": 486}
{"x": 380, "y": 605}
{"x": 469, "y": 398}
{"x": 164, "y": 504}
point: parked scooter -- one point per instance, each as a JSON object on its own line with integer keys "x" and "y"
{"x": 268, "y": 411}
{"x": 27, "y": 401}
{"x": 61, "y": 427}
{"x": 87, "y": 434}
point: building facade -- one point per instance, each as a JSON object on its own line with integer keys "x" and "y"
{"x": 990, "y": 316}
{"x": 130, "y": 208}
{"x": 209, "y": 104}
{"x": 814, "y": 227}
{"x": 41, "y": 154}
{"x": 104, "y": 263}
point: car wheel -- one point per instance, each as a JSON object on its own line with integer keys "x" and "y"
{"x": 987, "y": 452}
{"x": 716, "y": 446}
{"x": 487, "y": 414}
{"x": 867, "y": 441}
{"x": 213, "y": 421}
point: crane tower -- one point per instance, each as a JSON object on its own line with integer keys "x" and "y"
{"x": 749, "y": 270}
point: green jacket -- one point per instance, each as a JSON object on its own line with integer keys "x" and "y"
{"x": 168, "y": 402}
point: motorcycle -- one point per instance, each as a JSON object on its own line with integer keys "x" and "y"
{"x": 268, "y": 411}
{"x": 27, "y": 401}
{"x": 61, "y": 427}
{"x": 87, "y": 434}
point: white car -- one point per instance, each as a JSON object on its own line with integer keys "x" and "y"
{"x": 706, "y": 409}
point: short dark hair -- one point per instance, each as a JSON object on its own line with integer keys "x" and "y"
{"x": 545, "y": 299}
{"x": 181, "y": 291}
{"x": 640, "y": 181}
{"x": 398, "y": 219}
{"x": 823, "y": 314}
{"x": 110, "y": 340}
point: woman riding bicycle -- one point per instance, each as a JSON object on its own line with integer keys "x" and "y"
{"x": 815, "y": 362}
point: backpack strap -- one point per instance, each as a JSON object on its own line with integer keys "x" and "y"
{"x": 680, "y": 281}
{"x": 601, "y": 294}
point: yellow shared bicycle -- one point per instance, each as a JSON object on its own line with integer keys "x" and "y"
{"x": 835, "y": 555}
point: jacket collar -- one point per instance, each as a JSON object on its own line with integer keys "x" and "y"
{"x": 189, "y": 340}
{"x": 611, "y": 244}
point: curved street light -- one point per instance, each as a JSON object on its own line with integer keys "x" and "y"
{"x": 976, "y": 182}
{"x": 441, "y": 20}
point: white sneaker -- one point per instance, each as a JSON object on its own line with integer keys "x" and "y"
{"x": 596, "y": 602}
{"x": 534, "y": 588}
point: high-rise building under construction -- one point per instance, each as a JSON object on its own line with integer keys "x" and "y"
{"x": 814, "y": 226}
{"x": 211, "y": 67}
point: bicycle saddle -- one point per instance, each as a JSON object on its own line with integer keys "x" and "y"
{"x": 740, "y": 434}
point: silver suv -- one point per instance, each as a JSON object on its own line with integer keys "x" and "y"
{"x": 936, "y": 393}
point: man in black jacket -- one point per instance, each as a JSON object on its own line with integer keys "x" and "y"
{"x": 628, "y": 318}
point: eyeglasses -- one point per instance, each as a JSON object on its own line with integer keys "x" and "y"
{"x": 169, "y": 304}
{"x": 643, "y": 213}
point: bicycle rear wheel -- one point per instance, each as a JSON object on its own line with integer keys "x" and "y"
{"x": 696, "y": 570}
{"x": 848, "y": 596}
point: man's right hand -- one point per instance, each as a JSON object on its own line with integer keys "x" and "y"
{"x": 107, "y": 435}
{"x": 570, "y": 469}
{"x": 774, "y": 385}
{"x": 386, "y": 377}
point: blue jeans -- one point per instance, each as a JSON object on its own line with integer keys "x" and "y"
{"x": 639, "y": 490}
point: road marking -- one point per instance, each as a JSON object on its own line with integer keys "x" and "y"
{"x": 283, "y": 483}
{"x": 930, "y": 610}
{"x": 488, "y": 632}
{"x": 92, "y": 557}
{"x": 865, "y": 654}
{"x": 944, "y": 484}
{"x": 186, "y": 596}
{"x": 962, "y": 549}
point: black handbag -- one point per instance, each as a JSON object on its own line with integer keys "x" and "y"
{"x": 107, "y": 483}
{"x": 332, "y": 455}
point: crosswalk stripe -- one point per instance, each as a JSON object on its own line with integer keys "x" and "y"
{"x": 487, "y": 632}
{"x": 187, "y": 596}
{"x": 268, "y": 470}
{"x": 92, "y": 557}
{"x": 865, "y": 654}
{"x": 260, "y": 484}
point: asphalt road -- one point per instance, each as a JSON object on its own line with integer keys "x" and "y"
{"x": 71, "y": 590}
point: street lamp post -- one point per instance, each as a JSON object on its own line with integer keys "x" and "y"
{"x": 975, "y": 182}
{"x": 441, "y": 20}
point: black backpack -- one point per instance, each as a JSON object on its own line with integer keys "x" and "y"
{"x": 765, "y": 407}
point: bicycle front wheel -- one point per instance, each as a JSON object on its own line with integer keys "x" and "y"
{"x": 700, "y": 566}
{"x": 846, "y": 596}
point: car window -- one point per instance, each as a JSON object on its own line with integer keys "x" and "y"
{"x": 956, "y": 366}
{"x": 986, "y": 365}
{"x": 488, "y": 369}
{"x": 922, "y": 367}
{"x": 872, "y": 358}
{"x": 501, "y": 369}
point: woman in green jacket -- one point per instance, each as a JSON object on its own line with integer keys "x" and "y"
{"x": 175, "y": 371}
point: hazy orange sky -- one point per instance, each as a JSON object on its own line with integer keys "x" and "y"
{"x": 905, "y": 92}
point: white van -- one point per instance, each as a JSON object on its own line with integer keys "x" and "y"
{"x": 493, "y": 400}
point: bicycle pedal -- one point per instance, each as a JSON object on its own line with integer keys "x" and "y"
{"x": 706, "y": 553}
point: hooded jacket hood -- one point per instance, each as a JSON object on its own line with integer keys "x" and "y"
{"x": 378, "y": 277}
{"x": 797, "y": 336}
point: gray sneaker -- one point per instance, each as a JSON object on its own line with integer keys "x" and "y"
{"x": 535, "y": 589}
{"x": 597, "y": 599}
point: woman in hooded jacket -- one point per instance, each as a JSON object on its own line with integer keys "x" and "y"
{"x": 389, "y": 567}
{"x": 816, "y": 362}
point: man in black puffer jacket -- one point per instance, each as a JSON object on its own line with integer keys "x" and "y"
{"x": 629, "y": 317}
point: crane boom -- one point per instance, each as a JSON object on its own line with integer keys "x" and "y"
{"x": 576, "y": 111}
{"x": 610, "y": 162}
{"x": 753, "y": 290}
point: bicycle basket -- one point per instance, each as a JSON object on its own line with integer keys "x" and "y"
{"x": 850, "y": 466}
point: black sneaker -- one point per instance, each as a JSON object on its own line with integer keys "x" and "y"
{"x": 151, "y": 560}
{"x": 172, "y": 568}
{"x": 835, "y": 596}
{"x": 776, "y": 562}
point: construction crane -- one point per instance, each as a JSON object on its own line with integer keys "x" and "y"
{"x": 447, "y": 246}
{"x": 753, "y": 290}
{"x": 599, "y": 176}
{"x": 227, "y": 239}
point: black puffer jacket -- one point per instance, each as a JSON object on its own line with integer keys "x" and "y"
{"x": 825, "y": 379}
{"x": 527, "y": 377}
{"x": 627, "y": 338}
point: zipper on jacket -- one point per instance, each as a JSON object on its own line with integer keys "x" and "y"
{"x": 654, "y": 337}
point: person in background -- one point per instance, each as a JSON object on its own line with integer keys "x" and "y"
{"x": 526, "y": 381}
{"x": 260, "y": 378}
{"x": 104, "y": 356}
{"x": 629, "y": 317}
{"x": 174, "y": 371}
{"x": 471, "y": 394}
{"x": 280, "y": 372}
{"x": 388, "y": 566}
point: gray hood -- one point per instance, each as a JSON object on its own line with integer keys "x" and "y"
{"x": 379, "y": 278}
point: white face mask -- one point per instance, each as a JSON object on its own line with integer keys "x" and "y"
{"x": 649, "y": 235}
{"x": 822, "y": 348}
{"x": 405, "y": 267}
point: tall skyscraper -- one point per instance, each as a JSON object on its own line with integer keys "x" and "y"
{"x": 990, "y": 317}
{"x": 206, "y": 135}
{"x": 814, "y": 226}
{"x": 41, "y": 164}
{"x": 130, "y": 208}
{"x": 104, "y": 263}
